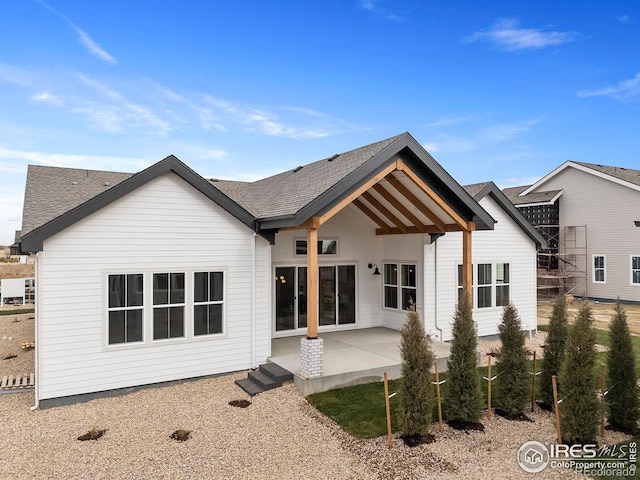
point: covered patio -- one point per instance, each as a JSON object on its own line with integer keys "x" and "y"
{"x": 351, "y": 357}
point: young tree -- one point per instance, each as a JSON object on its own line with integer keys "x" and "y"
{"x": 622, "y": 399}
{"x": 579, "y": 410}
{"x": 512, "y": 384}
{"x": 464, "y": 398}
{"x": 416, "y": 402}
{"x": 553, "y": 351}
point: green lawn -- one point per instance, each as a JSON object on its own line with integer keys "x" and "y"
{"x": 17, "y": 311}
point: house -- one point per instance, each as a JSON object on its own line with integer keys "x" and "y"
{"x": 165, "y": 275}
{"x": 590, "y": 215}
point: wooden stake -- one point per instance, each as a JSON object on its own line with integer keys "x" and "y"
{"x": 386, "y": 401}
{"x": 438, "y": 394}
{"x": 489, "y": 387}
{"x": 533, "y": 387}
{"x": 602, "y": 387}
{"x": 556, "y": 407}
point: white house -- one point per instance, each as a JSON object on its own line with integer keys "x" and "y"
{"x": 164, "y": 275}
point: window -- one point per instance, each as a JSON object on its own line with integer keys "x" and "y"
{"x": 125, "y": 308}
{"x": 502, "y": 284}
{"x": 325, "y": 247}
{"x": 635, "y": 270}
{"x": 599, "y": 265}
{"x": 404, "y": 293}
{"x": 484, "y": 285}
{"x": 208, "y": 297}
{"x": 168, "y": 305}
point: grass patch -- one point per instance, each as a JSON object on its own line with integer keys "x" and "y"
{"x": 17, "y": 311}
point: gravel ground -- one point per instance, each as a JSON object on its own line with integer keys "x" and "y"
{"x": 13, "y": 330}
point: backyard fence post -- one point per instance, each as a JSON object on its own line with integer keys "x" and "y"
{"x": 533, "y": 387}
{"x": 602, "y": 394}
{"x": 438, "y": 394}
{"x": 386, "y": 401}
{"x": 556, "y": 407}
{"x": 489, "y": 387}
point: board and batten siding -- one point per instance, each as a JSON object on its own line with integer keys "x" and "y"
{"x": 357, "y": 245}
{"x": 507, "y": 243}
{"x": 609, "y": 210}
{"x": 163, "y": 226}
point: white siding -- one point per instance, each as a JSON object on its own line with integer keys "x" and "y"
{"x": 165, "y": 225}
{"x": 609, "y": 211}
{"x": 357, "y": 245}
{"x": 506, "y": 244}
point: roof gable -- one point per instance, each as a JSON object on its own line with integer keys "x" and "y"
{"x": 33, "y": 240}
{"x": 481, "y": 190}
{"x": 622, "y": 176}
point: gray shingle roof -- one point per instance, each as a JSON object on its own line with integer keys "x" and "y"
{"x": 475, "y": 188}
{"x": 628, "y": 174}
{"x": 52, "y": 191}
{"x": 513, "y": 193}
{"x": 288, "y": 192}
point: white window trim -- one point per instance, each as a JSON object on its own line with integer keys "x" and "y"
{"x": 494, "y": 284}
{"x": 222, "y": 302}
{"x": 593, "y": 270}
{"x": 399, "y": 286}
{"x": 170, "y": 305}
{"x": 631, "y": 282}
{"x": 107, "y": 309}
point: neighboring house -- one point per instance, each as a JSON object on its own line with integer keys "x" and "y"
{"x": 165, "y": 275}
{"x": 591, "y": 215}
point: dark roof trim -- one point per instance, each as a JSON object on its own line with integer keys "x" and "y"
{"x": 407, "y": 147}
{"x": 32, "y": 242}
{"x": 502, "y": 200}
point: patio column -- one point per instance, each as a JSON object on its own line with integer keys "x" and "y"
{"x": 311, "y": 347}
{"x": 467, "y": 264}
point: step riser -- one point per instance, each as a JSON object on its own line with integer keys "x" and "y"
{"x": 276, "y": 372}
{"x": 264, "y": 381}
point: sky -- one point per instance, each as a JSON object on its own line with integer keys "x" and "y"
{"x": 243, "y": 89}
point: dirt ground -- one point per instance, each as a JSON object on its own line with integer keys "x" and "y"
{"x": 602, "y": 314}
{"x": 16, "y": 270}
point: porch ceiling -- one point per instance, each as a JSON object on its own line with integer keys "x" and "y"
{"x": 401, "y": 203}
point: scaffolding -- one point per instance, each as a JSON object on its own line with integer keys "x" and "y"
{"x": 562, "y": 267}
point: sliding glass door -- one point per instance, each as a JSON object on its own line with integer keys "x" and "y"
{"x": 336, "y": 296}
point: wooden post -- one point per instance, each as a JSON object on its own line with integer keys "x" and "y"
{"x": 556, "y": 408}
{"x": 489, "y": 387}
{"x": 438, "y": 394}
{"x": 312, "y": 283}
{"x": 467, "y": 265}
{"x": 386, "y": 402}
{"x": 602, "y": 387}
{"x": 533, "y": 386}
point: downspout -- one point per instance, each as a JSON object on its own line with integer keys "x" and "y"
{"x": 434, "y": 240}
{"x": 253, "y": 300}
{"x": 37, "y": 298}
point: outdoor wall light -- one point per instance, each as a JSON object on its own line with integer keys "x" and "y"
{"x": 376, "y": 271}
{"x": 637, "y": 222}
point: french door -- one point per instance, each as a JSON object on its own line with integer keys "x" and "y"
{"x": 336, "y": 296}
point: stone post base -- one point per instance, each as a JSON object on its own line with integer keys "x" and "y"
{"x": 311, "y": 357}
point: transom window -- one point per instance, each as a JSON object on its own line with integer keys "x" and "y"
{"x": 168, "y": 305}
{"x": 599, "y": 269}
{"x": 325, "y": 247}
{"x": 125, "y": 308}
{"x": 400, "y": 291}
{"x": 635, "y": 270}
{"x": 208, "y": 299}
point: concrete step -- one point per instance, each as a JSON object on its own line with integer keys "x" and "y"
{"x": 249, "y": 386}
{"x": 263, "y": 381}
{"x": 276, "y": 372}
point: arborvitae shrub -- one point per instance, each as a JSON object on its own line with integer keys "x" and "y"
{"x": 464, "y": 399}
{"x": 622, "y": 400}
{"x": 512, "y": 383}
{"x": 416, "y": 398}
{"x": 554, "y": 346}
{"x": 578, "y": 380}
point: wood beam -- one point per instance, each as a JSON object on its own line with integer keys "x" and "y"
{"x": 432, "y": 195}
{"x": 357, "y": 192}
{"x": 312, "y": 283}
{"x": 376, "y": 219}
{"x": 415, "y": 201}
{"x": 412, "y": 229}
{"x": 467, "y": 265}
{"x": 385, "y": 211}
{"x": 388, "y": 196}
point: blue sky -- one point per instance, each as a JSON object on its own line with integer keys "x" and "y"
{"x": 502, "y": 91}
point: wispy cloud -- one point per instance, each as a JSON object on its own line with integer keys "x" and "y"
{"x": 507, "y": 35}
{"x": 624, "y": 91}
{"x": 83, "y": 37}
{"x": 450, "y": 121}
{"x": 376, "y": 7}
{"x": 98, "y": 162}
{"x": 623, "y": 19}
{"x": 15, "y": 75}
